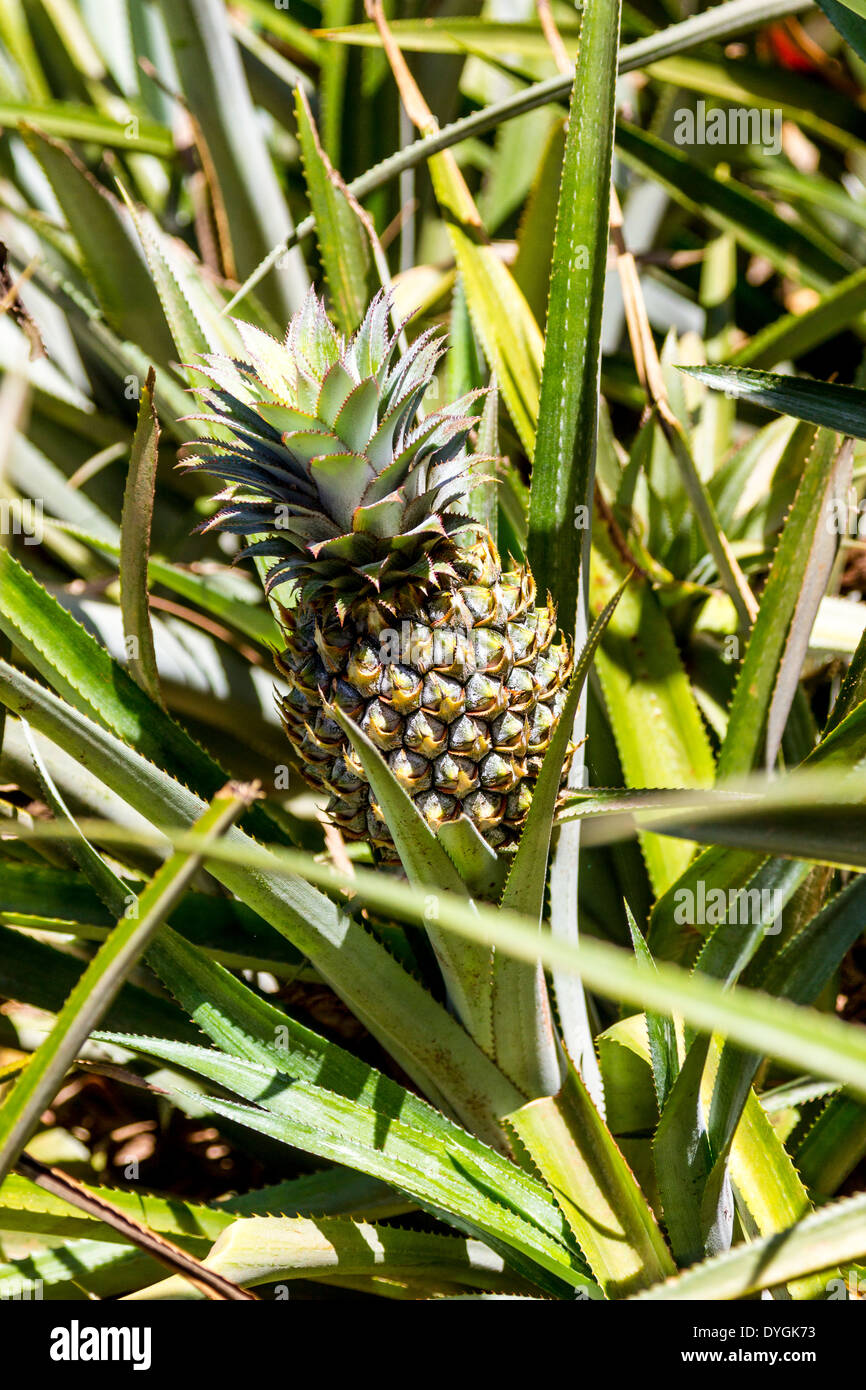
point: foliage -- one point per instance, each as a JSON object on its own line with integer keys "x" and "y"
{"x": 617, "y": 1060}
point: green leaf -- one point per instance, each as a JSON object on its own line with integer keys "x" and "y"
{"x": 74, "y": 1270}
{"x": 834, "y": 1145}
{"x": 720, "y": 22}
{"x": 466, "y": 970}
{"x": 683, "y": 1162}
{"x": 512, "y": 176}
{"x": 578, "y": 1158}
{"x": 524, "y": 889}
{"x": 834, "y": 1235}
{"x": 112, "y": 258}
{"x": 453, "y": 33}
{"x": 343, "y": 245}
{"x": 282, "y": 26}
{"x": 523, "y": 1037}
{"x": 58, "y": 900}
{"x": 99, "y": 984}
{"x": 38, "y": 975}
{"x": 26, "y": 1207}
{"x": 742, "y": 1144}
{"x": 733, "y": 942}
{"x": 803, "y": 1038}
{"x": 17, "y": 39}
{"x": 70, "y": 121}
{"x": 852, "y": 691}
{"x": 767, "y": 681}
{"x": 763, "y": 1179}
{"x": 806, "y": 256}
{"x": 671, "y": 935}
{"x": 457, "y": 1179}
{"x": 135, "y": 544}
{"x": 783, "y": 821}
{"x": 41, "y": 890}
{"x": 213, "y": 83}
{"x": 187, "y": 331}
{"x": 849, "y": 23}
{"x": 82, "y": 672}
{"x": 506, "y": 328}
{"x": 242, "y": 1024}
{"x": 537, "y": 231}
{"x": 247, "y": 615}
{"x": 264, "y": 1250}
{"x": 803, "y": 966}
{"x": 425, "y": 861}
{"x": 564, "y": 461}
{"x": 479, "y": 866}
{"x": 830, "y": 116}
{"x": 792, "y": 335}
{"x": 661, "y": 1034}
{"x": 843, "y": 748}
{"x": 655, "y": 720}
{"x": 760, "y": 818}
{"x": 798, "y": 971}
{"x": 329, "y": 1191}
{"x": 333, "y": 78}
{"x": 419, "y": 1032}
{"x": 110, "y": 888}
{"x": 841, "y": 408}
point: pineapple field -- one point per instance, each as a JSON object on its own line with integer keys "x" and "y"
{"x": 433, "y": 656}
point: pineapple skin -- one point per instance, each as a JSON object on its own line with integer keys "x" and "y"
{"x": 460, "y": 691}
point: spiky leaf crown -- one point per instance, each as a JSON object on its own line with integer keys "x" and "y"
{"x": 330, "y": 466}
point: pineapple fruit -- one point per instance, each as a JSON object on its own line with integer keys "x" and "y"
{"x": 396, "y": 607}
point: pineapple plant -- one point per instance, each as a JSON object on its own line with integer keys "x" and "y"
{"x": 399, "y": 611}
{"x": 536, "y": 1065}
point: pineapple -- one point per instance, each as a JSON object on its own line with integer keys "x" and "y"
{"x": 396, "y": 607}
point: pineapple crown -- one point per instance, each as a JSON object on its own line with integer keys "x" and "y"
{"x": 330, "y": 465}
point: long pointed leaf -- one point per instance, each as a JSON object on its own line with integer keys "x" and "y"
{"x": 99, "y": 984}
